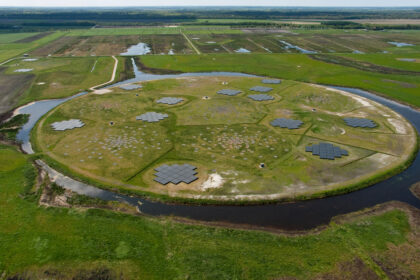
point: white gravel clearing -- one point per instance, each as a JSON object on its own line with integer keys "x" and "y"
{"x": 398, "y": 125}
{"x": 361, "y": 100}
{"x": 214, "y": 181}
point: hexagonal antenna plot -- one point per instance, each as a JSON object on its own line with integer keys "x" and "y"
{"x": 286, "y": 123}
{"x": 230, "y": 92}
{"x": 69, "y": 124}
{"x": 261, "y": 89}
{"x": 326, "y": 151}
{"x": 170, "y": 100}
{"x": 271, "y": 81}
{"x": 261, "y": 97}
{"x": 151, "y": 117}
{"x": 175, "y": 174}
{"x": 360, "y": 122}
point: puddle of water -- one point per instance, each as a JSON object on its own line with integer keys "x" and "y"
{"x": 139, "y": 49}
{"x": 23, "y": 70}
{"x": 358, "y": 52}
{"x": 242, "y": 50}
{"x": 400, "y": 44}
{"x": 210, "y": 42}
{"x": 30, "y": 59}
{"x": 407, "y": 59}
{"x": 290, "y": 46}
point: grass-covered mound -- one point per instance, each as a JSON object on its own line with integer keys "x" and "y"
{"x": 227, "y": 138}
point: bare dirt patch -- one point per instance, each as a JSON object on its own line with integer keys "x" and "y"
{"x": 55, "y": 46}
{"x": 403, "y": 84}
{"x": 355, "y": 269}
{"x": 213, "y": 181}
{"x": 398, "y": 125}
{"x": 33, "y": 38}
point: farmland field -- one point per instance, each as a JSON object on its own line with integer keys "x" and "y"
{"x": 12, "y": 87}
{"x": 8, "y": 51}
{"x": 113, "y": 45}
{"x": 61, "y": 77}
{"x": 13, "y": 37}
{"x": 214, "y": 40}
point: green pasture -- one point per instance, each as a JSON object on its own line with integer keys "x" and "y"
{"x": 390, "y": 60}
{"x": 12, "y": 37}
{"x": 295, "y": 67}
{"x": 62, "y": 77}
{"x": 37, "y": 241}
{"x": 10, "y": 50}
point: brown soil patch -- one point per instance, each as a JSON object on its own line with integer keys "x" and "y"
{"x": 403, "y": 84}
{"x": 33, "y": 38}
{"x": 100, "y": 272}
{"x": 355, "y": 269}
{"x": 58, "y": 45}
{"x": 11, "y": 88}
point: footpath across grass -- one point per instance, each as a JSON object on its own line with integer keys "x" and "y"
{"x": 39, "y": 242}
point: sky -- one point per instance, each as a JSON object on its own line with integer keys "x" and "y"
{"x": 111, "y": 3}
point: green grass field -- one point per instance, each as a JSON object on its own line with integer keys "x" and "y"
{"x": 38, "y": 242}
{"x": 295, "y": 67}
{"x": 390, "y": 60}
{"x": 62, "y": 77}
{"x": 10, "y": 50}
{"x": 12, "y": 37}
{"x": 227, "y": 137}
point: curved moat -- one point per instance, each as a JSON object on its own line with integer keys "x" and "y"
{"x": 289, "y": 216}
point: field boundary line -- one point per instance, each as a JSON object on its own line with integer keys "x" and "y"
{"x": 258, "y": 45}
{"x": 150, "y": 164}
{"x": 225, "y": 48}
{"x": 191, "y": 43}
{"x": 11, "y": 59}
